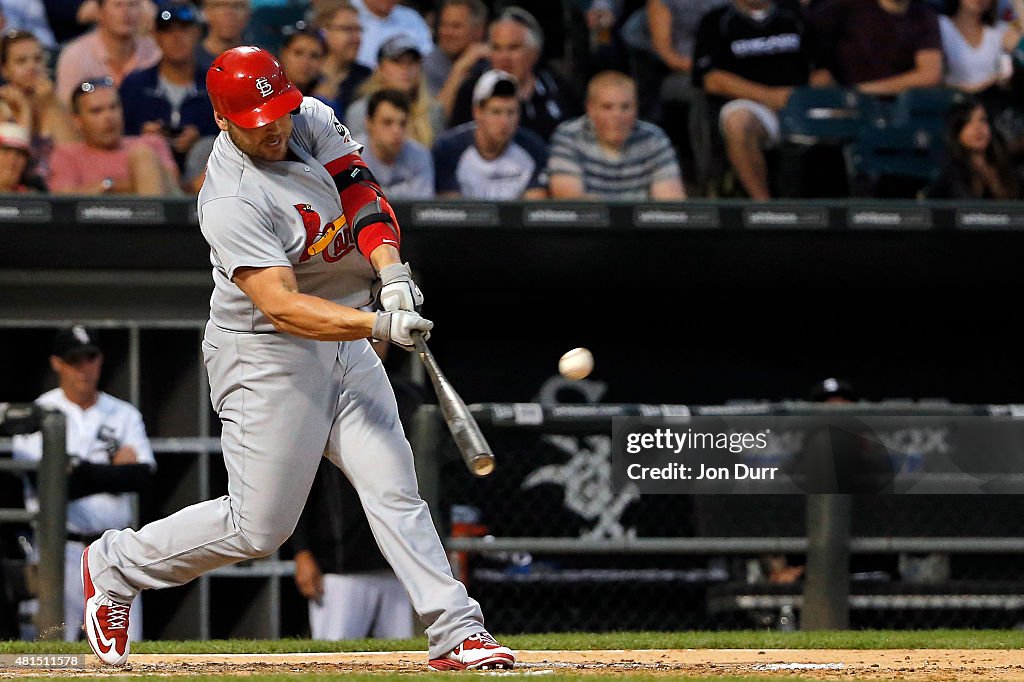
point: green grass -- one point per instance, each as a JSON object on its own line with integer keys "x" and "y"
{"x": 858, "y": 639}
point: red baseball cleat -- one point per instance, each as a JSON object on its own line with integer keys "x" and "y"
{"x": 106, "y": 621}
{"x": 477, "y": 652}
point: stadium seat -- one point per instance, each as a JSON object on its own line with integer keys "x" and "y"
{"x": 826, "y": 115}
{"x": 269, "y": 22}
{"x": 816, "y": 124}
{"x": 893, "y": 162}
{"x": 925, "y": 108}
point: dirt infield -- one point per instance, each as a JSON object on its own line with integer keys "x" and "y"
{"x": 825, "y": 664}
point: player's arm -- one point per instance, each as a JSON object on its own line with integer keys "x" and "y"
{"x": 374, "y": 225}
{"x": 375, "y": 230}
{"x": 275, "y": 292}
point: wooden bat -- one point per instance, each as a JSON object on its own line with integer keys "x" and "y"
{"x": 476, "y": 453}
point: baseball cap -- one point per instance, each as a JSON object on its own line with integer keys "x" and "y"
{"x": 494, "y": 83}
{"x": 75, "y": 340}
{"x": 14, "y": 136}
{"x": 175, "y": 13}
{"x": 398, "y": 45}
{"x": 832, "y": 388}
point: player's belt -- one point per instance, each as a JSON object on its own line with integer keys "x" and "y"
{"x": 84, "y": 539}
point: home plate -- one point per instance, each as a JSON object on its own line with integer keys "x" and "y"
{"x": 799, "y": 666}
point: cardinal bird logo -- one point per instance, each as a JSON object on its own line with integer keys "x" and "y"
{"x": 333, "y": 240}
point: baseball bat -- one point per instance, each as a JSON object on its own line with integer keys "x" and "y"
{"x": 476, "y": 453}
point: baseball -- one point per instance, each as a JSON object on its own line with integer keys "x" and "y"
{"x": 576, "y": 364}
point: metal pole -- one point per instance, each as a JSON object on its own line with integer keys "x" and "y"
{"x": 52, "y": 483}
{"x": 827, "y": 576}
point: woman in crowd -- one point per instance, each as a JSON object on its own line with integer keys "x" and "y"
{"x": 978, "y": 166}
{"x": 400, "y": 67}
{"x": 976, "y": 46}
{"x": 340, "y": 75}
{"x": 27, "y": 96}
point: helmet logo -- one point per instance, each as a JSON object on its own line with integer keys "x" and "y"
{"x": 264, "y": 86}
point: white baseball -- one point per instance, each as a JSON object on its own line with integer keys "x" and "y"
{"x": 576, "y": 364}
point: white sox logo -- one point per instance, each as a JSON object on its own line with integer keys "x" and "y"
{"x": 587, "y": 479}
{"x": 264, "y": 86}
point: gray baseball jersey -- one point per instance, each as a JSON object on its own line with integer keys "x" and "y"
{"x": 261, "y": 214}
{"x": 286, "y": 402}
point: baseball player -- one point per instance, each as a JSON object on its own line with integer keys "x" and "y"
{"x": 105, "y": 438}
{"x": 299, "y": 230}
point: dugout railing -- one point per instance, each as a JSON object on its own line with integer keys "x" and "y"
{"x": 48, "y": 521}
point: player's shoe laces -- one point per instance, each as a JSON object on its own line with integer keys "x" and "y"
{"x": 477, "y": 652}
{"x": 106, "y": 621}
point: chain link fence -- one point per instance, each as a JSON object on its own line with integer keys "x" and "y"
{"x": 678, "y": 562}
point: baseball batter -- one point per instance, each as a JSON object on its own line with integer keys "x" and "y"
{"x": 299, "y": 230}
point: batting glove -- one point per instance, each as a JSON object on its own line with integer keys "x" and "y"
{"x": 397, "y": 289}
{"x": 398, "y": 328}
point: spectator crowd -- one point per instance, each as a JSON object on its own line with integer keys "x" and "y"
{"x": 637, "y": 100}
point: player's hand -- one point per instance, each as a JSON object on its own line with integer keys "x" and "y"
{"x": 308, "y": 577}
{"x": 397, "y": 289}
{"x": 398, "y": 328}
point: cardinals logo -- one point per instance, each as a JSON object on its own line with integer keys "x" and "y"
{"x": 332, "y": 240}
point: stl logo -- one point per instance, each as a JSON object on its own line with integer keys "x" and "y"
{"x": 264, "y": 86}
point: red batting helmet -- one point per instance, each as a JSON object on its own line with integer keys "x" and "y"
{"x": 248, "y": 87}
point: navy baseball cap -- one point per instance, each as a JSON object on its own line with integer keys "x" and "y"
{"x": 75, "y": 341}
{"x": 170, "y": 13}
{"x": 397, "y": 46}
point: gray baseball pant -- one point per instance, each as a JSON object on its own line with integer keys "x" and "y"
{"x": 283, "y": 403}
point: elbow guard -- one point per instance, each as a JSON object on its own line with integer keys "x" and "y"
{"x": 366, "y": 208}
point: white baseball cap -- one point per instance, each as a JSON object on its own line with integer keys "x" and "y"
{"x": 494, "y": 82}
{"x": 14, "y": 136}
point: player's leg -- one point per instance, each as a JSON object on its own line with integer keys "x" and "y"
{"x": 275, "y": 397}
{"x": 394, "y": 612}
{"x": 369, "y": 445}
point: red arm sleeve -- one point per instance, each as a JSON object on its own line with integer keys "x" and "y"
{"x": 366, "y": 208}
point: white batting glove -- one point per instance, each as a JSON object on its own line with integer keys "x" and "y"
{"x": 397, "y": 289}
{"x": 398, "y": 327}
